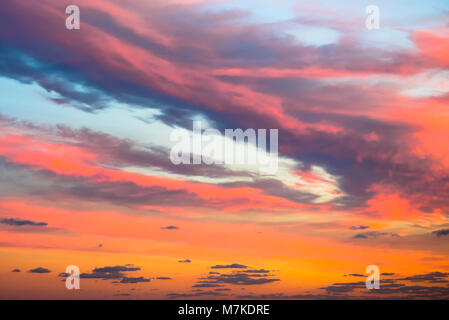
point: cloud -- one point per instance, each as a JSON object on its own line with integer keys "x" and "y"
{"x": 39, "y": 270}
{"x": 206, "y": 285}
{"x": 170, "y": 228}
{"x": 441, "y": 232}
{"x": 359, "y": 227}
{"x": 113, "y": 273}
{"x": 185, "y": 261}
{"x": 115, "y": 269}
{"x": 249, "y": 69}
{"x": 16, "y": 270}
{"x": 375, "y": 234}
{"x": 344, "y": 287}
{"x": 134, "y": 280}
{"x": 396, "y": 288}
{"x": 229, "y": 266}
{"x": 257, "y": 271}
{"x": 163, "y": 278}
{"x": 282, "y": 296}
{"x": 431, "y": 276}
{"x": 18, "y": 222}
{"x": 240, "y": 277}
{"x": 196, "y": 294}
{"x": 64, "y": 275}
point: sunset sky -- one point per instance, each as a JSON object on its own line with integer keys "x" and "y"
{"x": 363, "y": 168}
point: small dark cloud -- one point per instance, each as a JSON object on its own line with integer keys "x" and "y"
{"x": 115, "y": 269}
{"x": 110, "y": 272}
{"x": 388, "y": 274}
{"x": 134, "y": 280}
{"x": 354, "y": 275}
{"x": 375, "y": 234}
{"x": 195, "y": 294}
{"x": 64, "y": 275}
{"x": 163, "y": 278}
{"x": 170, "y": 228}
{"x": 122, "y": 295}
{"x": 206, "y": 285}
{"x": 185, "y": 261}
{"x": 257, "y": 271}
{"x": 103, "y": 276}
{"x": 441, "y": 232}
{"x": 359, "y": 227}
{"x": 19, "y": 223}
{"x": 16, "y": 270}
{"x": 281, "y": 296}
{"x": 432, "y": 276}
{"x": 100, "y": 245}
{"x": 229, "y": 266}
{"x": 344, "y": 287}
{"x": 39, "y": 270}
{"x": 235, "y": 278}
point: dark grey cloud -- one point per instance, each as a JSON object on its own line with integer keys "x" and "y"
{"x": 103, "y": 276}
{"x": 282, "y": 296}
{"x": 16, "y": 270}
{"x": 113, "y": 273}
{"x": 195, "y": 294}
{"x": 39, "y": 270}
{"x": 185, "y": 261}
{"x": 236, "y": 278}
{"x": 344, "y": 287}
{"x": 431, "y": 276}
{"x": 134, "y": 280}
{"x": 115, "y": 269}
{"x": 388, "y": 274}
{"x": 64, "y": 275}
{"x": 206, "y": 285}
{"x": 163, "y": 278}
{"x": 396, "y": 288}
{"x": 18, "y": 222}
{"x": 375, "y": 234}
{"x": 229, "y": 266}
{"x": 361, "y": 227}
{"x": 442, "y": 232}
{"x": 170, "y": 228}
{"x": 256, "y": 271}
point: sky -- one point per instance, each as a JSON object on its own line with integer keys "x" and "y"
{"x": 86, "y": 177}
